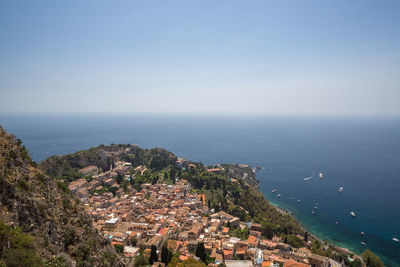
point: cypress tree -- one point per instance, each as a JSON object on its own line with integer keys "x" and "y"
{"x": 153, "y": 255}
{"x": 164, "y": 254}
{"x": 201, "y": 252}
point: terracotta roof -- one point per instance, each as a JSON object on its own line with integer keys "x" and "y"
{"x": 252, "y": 239}
{"x": 292, "y": 263}
{"x": 163, "y": 231}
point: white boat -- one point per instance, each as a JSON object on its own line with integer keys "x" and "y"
{"x": 363, "y": 243}
{"x": 321, "y": 175}
{"x": 298, "y": 200}
{"x": 395, "y": 239}
{"x": 341, "y": 189}
{"x": 362, "y": 233}
{"x": 308, "y": 178}
{"x": 313, "y": 212}
{"x": 274, "y": 190}
{"x": 279, "y": 195}
{"x": 353, "y": 214}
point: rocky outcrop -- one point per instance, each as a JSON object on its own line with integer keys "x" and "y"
{"x": 241, "y": 171}
{"x": 44, "y": 209}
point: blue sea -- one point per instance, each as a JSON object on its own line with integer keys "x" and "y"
{"x": 362, "y": 155}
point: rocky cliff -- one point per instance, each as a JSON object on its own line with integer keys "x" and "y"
{"x": 41, "y": 223}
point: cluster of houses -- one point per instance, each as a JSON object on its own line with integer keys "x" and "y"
{"x": 158, "y": 212}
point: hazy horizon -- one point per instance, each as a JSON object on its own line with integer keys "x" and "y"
{"x": 311, "y": 58}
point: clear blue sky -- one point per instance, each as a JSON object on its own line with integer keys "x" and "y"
{"x": 248, "y": 57}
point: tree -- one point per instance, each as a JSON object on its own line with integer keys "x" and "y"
{"x": 192, "y": 263}
{"x": 17, "y": 248}
{"x": 217, "y": 209}
{"x": 153, "y": 255}
{"x": 174, "y": 261}
{"x": 172, "y": 173}
{"x": 371, "y": 260}
{"x": 119, "y": 248}
{"x": 140, "y": 261}
{"x": 166, "y": 254}
{"x": 119, "y": 178}
{"x": 133, "y": 241}
{"x": 201, "y": 252}
{"x": 269, "y": 229}
{"x": 113, "y": 190}
{"x": 293, "y": 240}
{"x": 306, "y": 236}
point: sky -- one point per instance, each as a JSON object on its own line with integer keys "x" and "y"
{"x": 333, "y": 57}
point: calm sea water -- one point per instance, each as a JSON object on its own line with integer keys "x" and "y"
{"x": 361, "y": 155}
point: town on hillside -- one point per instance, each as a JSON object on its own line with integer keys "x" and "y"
{"x": 159, "y": 219}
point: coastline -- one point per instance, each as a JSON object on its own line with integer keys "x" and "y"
{"x": 313, "y": 235}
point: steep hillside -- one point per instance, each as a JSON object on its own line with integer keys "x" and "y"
{"x": 40, "y": 222}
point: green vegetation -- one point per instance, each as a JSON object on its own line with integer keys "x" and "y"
{"x": 153, "y": 255}
{"x": 62, "y": 186}
{"x": 371, "y": 260}
{"x": 17, "y": 248}
{"x": 23, "y": 184}
{"x": 186, "y": 263}
{"x": 141, "y": 260}
{"x": 166, "y": 253}
{"x": 327, "y": 251}
{"x": 201, "y": 252}
{"x": 119, "y": 248}
{"x": 294, "y": 241}
{"x": 133, "y": 241}
{"x": 237, "y": 232}
{"x": 53, "y": 229}
{"x": 353, "y": 262}
{"x": 240, "y": 200}
{"x": 155, "y": 159}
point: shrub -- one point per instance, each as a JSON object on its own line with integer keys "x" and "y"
{"x": 23, "y": 184}
{"x": 62, "y": 186}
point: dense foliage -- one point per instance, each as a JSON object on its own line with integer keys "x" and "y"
{"x": 201, "y": 252}
{"x": 238, "y": 232}
{"x": 241, "y": 200}
{"x": 153, "y": 255}
{"x": 371, "y": 260}
{"x": 294, "y": 241}
{"x": 156, "y": 158}
{"x": 186, "y": 263}
{"x": 17, "y": 248}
